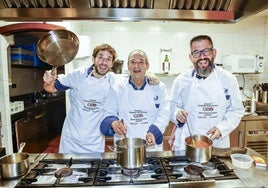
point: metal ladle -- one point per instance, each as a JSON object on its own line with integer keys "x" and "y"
{"x": 124, "y": 126}
{"x": 64, "y": 172}
{"x": 191, "y": 136}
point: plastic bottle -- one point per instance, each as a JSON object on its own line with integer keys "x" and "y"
{"x": 253, "y": 104}
{"x": 166, "y": 65}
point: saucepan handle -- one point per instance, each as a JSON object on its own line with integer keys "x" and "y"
{"x": 22, "y": 145}
{"x": 210, "y": 135}
{"x": 113, "y": 149}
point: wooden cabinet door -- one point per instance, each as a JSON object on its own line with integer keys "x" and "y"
{"x": 237, "y": 136}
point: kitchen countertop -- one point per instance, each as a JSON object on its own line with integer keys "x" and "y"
{"x": 253, "y": 118}
{"x": 253, "y": 177}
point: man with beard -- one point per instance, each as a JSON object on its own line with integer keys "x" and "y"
{"x": 89, "y": 87}
{"x": 205, "y": 97}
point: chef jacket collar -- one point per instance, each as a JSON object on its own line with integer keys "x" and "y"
{"x": 89, "y": 70}
{"x": 198, "y": 76}
{"x": 135, "y": 87}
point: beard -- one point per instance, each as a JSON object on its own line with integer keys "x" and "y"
{"x": 101, "y": 72}
{"x": 206, "y": 71}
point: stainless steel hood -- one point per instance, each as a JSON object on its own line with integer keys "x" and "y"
{"x": 228, "y": 11}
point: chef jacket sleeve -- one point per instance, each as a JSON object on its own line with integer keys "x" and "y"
{"x": 163, "y": 114}
{"x": 73, "y": 79}
{"x": 235, "y": 109}
{"x": 179, "y": 95}
{"x": 110, "y": 113}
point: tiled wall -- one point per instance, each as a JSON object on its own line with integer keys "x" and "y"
{"x": 245, "y": 37}
{"x": 248, "y": 36}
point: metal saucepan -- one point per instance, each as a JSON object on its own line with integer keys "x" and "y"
{"x": 202, "y": 149}
{"x": 131, "y": 152}
{"x": 14, "y": 165}
{"x": 58, "y": 47}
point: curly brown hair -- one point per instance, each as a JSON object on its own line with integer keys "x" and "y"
{"x": 104, "y": 47}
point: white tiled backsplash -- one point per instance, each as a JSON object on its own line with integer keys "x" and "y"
{"x": 248, "y": 36}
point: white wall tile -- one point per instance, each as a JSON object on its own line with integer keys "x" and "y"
{"x": 245, "y": 37}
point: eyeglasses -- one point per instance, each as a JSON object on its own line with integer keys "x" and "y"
{"x": 205, "y": 52}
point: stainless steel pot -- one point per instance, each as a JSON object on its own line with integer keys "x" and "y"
{"x": 131, "y": 152}
{"x": 198, "y": 154}
{"x": 14, "y": 165}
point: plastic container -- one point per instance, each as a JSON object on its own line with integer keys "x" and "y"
{"x": 242, "y": 160}
{"x": 16, "y": 106}
{"x": 22, "y": 50}
{"x": 26, "y": 55}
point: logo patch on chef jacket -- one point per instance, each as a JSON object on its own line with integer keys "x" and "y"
{"x": 156, "y": 101}
{"x": 91, "y": 105}
{"x": 225, "y": 90}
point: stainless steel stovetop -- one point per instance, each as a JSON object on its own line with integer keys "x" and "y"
{"x": 167, "y": 171}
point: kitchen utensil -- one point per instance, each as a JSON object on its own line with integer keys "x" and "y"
{"x": 64, "y": 172}
{"x": 241, "y": 160}
{"x": 198, "y": 154}
{"x": 191, "y": 136}
{"x": 58, "y": 47}
{"x": 124, "y": 126}
{"x": 264, "y": 96}
{"x": 131, "y": 152}
{"x": 14, "y": 165}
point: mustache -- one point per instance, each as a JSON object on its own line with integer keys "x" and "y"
{"x": 202, "y": 59}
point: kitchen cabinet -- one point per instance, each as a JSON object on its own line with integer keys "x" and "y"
{"x": 33, "y": 130}
{"x": 237, "y": 137}
{"x": 38, "y": 124}
{"x": 252, "y": 132}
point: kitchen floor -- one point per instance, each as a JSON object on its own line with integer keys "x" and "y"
{"x": 53, "y": 146}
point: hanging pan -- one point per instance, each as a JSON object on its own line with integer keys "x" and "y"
{"x": 57, "y": 47}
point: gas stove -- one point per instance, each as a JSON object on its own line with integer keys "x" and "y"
{"x": 175, "y": 171}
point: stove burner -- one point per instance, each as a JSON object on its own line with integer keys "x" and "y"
{"x": 106, "y": 172}
{"x": 131, "y": 172}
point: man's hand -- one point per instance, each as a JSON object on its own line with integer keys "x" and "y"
{"x": 50, "y": 78}
{"x": 182, "y": 116}
{"x": 153, "y": 79}
{"x": 150, "y": 139}
{"x": 215, "y": 133}
{"x": 118, "y": 127}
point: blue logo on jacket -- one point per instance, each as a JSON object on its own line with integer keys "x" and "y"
{"x": 156, "y": 101}
{"x": 225, "y": 90}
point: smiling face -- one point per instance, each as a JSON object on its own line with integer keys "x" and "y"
{"x": 137, "y": 65}
{"x": 202, "y": 56}
{"x": 103, "y": 62}
{"x": 103, "y": 58}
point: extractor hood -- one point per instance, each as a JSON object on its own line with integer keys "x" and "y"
{"x": 229, "y": 11}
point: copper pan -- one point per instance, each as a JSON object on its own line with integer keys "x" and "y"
{"x": 58, "y": 47}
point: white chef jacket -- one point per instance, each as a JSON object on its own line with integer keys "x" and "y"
{"x": 80, "y": 133}
{"x": 211, "y": 102}
{"x": 139, "y": 108}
